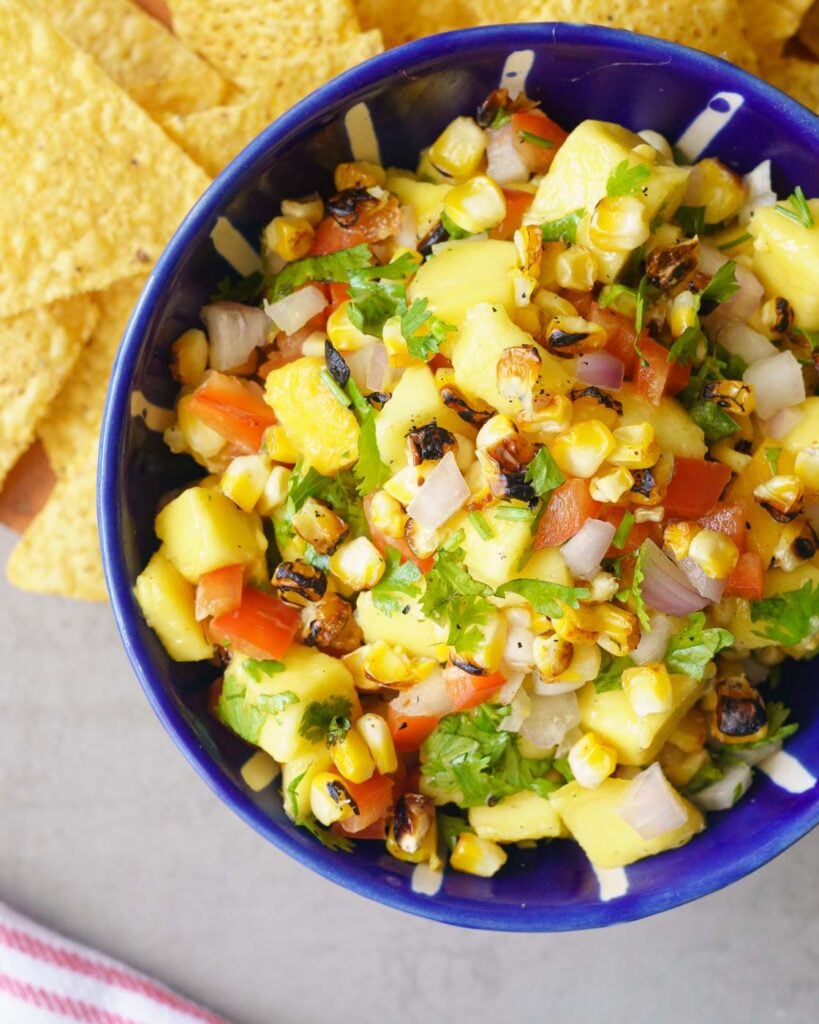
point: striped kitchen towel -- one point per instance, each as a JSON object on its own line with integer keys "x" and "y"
{"x": 45, "y": 979}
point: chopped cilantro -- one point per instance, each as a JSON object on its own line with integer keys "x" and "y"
{"x": 623, "y": 530}
{"x": 247, "y": 290}
{"x": 536, "y": 140}
{"x": 425, "y": 345}
{"x": 772, "y": 456}
{"x": 694, "y": 647}
{"x": 610, "y": 676}
{"x": 301, "y": 487}
{"x": 714, "y": 422}
{"x": 713, "y": 771}
{"x": 625, "y": 180}
{"x": 722, "y": 285}
{"x": 515, "y": 513}
{"x": 378, "y": 293}
{"x": 335, "y": 266}
{"x": 621, "y": 297}
{"x": 258, "y": 667}
{"x": 360, "y": 404}
{"x": 543, "y": 595}
{"x": 451, "y": 594}
{"x": 637, "y": 588}
{"x": 544, "y": 474}
{"x": 398, "y": 582}
{"x": 799, "y": 211}
{"x": 466, "y": 613}
{"x": 684, "y": 350}
{"x": 691, "y": 219}
{"x": 326, "y": 719}
{"x": 564, "y": 229}
{"x": 370, "y": 471}
{"x": 338, "y": 844}
{"x": 273, "y": 703}
{"x": 790, "y": 617}
{"x": 640, "y": 308}
{"x": 480, "y": 525}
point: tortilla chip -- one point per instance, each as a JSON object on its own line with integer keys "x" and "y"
{"x": 799, "y": 78}
{"x": 142, "y": 56}
{"x": 38, "y": 350}
{"x": 76, "y": 412}
{"x": 809, "y": 32}
{"x": 214, "y": 137}
{"x": 92, "y": 187}
{"x": 59, "y": 552}
{"x": 400, "y": 22}
{"x": 771, "y": 23}
{"x": 247, "y": 41}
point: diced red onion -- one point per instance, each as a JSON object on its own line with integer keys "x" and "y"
{"x": 701, "y": 581}
{"x": 778, "y": 383}
{"x": 760, "y": 190}
{"x": 650, "y": 804}
{"x": 723, "y": 794}
{"x": 441, "y": 495}
{"x": 407, "y": 234}
{"x": 429, "y": 697}
{"x": 654, "y": 644}
{"x": 234, "y": 330}
{"x": 782, "y": 423}
{"x": 293, "y": 311}
{"x": 504, "y": 164}
{"x": 601, "y": 369}
{"x": 740, "y": 340}
{"x": 584, "y": 552}
{"x": 379, "y": 371}
{"x": 550, "y": 719}
{"x": 666, "y": 588}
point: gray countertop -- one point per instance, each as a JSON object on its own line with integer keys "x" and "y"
{"x": 109, "y": 836}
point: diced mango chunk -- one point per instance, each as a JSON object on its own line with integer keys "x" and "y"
{"x": 786, "y": 260}
{"x": 411, "y": 630}
{"x": 167, "y": 602}
{"x": 525, "y": 815}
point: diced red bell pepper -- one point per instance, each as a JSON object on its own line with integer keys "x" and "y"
{"x": 373, "y": 799}
{"x": 338, "y": 292}
{"x": 537, "y": 156}
{"x": 517, "y": 203}
{"x": 235, "y": 409}
{"x": 409, "y": 731}
{"x": 261, "y": 627}
{"x": 467, "y": 690}
{"x": 568, "y": 509}
{"x": 747, "y": 578}
{"x": 219, "y": 591}
{"x": 728, "y": 518}
{"x": 620, "y": 330}
{"x": 695, "y": 487}
{"x": 332, "y": 237}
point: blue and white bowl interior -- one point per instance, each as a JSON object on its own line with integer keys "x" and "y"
{"x": 391, "y": 107}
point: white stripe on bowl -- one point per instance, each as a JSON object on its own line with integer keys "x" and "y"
{"x": 425, "y": 881}
{"x": 233, "y": 247}
{"x": 361, "y": 133}
{"x": 613, "y": 882}
{"x": 706, "y": 126}
{"x": 516, "y": 70}
{"x": 786, "y": 772}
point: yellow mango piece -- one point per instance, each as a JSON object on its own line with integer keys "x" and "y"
{"x": 425, "y": 198}
{"x": 317, "y": 424}
{"x": 674, "y": 429}
{"x": 764, "y": 532}
{"x": 806, "y": 432}
{"x": 547, "y": 564}
{"x": 167, "y": 602}
{"x": 414, "y": 632}
{"x": 786, "y": 259}
{"x": 524, "y": 815}
{"x": 497, "y": 560}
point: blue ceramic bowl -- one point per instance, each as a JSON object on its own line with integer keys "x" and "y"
{"x": 407, "y": 96}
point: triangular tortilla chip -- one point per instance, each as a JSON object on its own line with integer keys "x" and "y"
{"x": 799, "y": 78}
{"x": 400, "y": 22}
{"x": 771, "y": 23}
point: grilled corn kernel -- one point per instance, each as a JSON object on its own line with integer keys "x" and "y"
{"x": 309, "y": 208}
{"x": 619, "y": 224}
{"x": 423, "y": 542}
{"x": 574, "y": 336}
{"x": 387, "y": 515}
{"x": 427, "y": 849}
{"x": 781, "y": 496}
{"x": 715, "y": 553}
{"x": 618, "y": 630}
{"x": 528, "y": 242}
{"x": 777, "y": 315}
{"x": 477, "y": 856}
{"x": 796, "y": 545}
{"x": 527, "y": 316}
{"x": 274, "y": 494}
{"x": 288, "y": 237}
{"x": 806, "y": 466}
{"x": 358, "y": 564}
{"x": 487, "y": 652}
{"x": 648, "y": 689}
{"x": 610, "y": 487}
{"x": 330, "y": 800}
{"x": 318, "y": 524}
{"x": 358, "y": 175}
{"x": 244, "y": 480}
{"x": 683, "y": 313}
{"x": 603, "y": 587}
{"x": 299, "y": 583}
{"x": 592, "y": 761}
{"x": 404, "y": 485}
{"x": 352, "y": 757}
{"x": 459, "y": 149}
{"x": 723, "y": 452}
{"x": 391, "y": 666}
{"x": 343, "y": 333}
{"x": 517, "y": 372}
{"x": 637, "y": 446}
{"x": 396, "y": 344}
{"x": 552, "y": 655}
{"x": 375, "y": 732}
{"x": 549, "y": 414}
{"x": 552, "y": 305}
{"x": 413, "y": 821}
{"x": 189, "y": 357}
{"x": 736, "y": 397}
{"x": 198, "y": 437}
{"x": 476, "y": 205}
{"x": 583, "y": 448}
{"x": 575, "y": 268}
{"x": 713, "y": 185}
{"x": 691, "y": 732}
{"x": 495, "y": 430}
{"x": 355, "y": 662}
{"x": 677, "y": 538}
{"x": 278, "y": 445}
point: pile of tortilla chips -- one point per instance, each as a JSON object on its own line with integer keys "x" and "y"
{"x": 114, "y": 117}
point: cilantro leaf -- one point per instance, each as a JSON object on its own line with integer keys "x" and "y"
{"x": 235, "y": 711}
{"x": 772, "y": 456}
{"x": 324, "y": 836}
{"x": 684, "y": 349}
{"x": 335, "y": 266}
{"x": 451, "y": 594}
{"x": 450, "y": 826}
{"x": 301, "y": 487}
{"x": 714, "y": 422}
{"x": 610, "y": 676}
{"x": 790, "y": 617}
{"x": 637, "y": 588}
{"x": 326, "y": 719}
{"x": 370, "y": 471}
{"x": 258, "y": 667}
{"x": 564, "y": 229}
{"x": 694, "y": 647}
{"x": 399, "y": 581}
{"x": 536, "y": 140}
{"x": 273, "y": 703}
{"x": 543, "y": 596}
{"x": 691, "y": 219}
{"x": 799, "y": 211}
{"x": 426, "y": 345}
{"x": 625, "y": 180}
{"x": 722, "y": 285}
{"x": 640, "y": 310}
{"x": 544, "y": 474}
{"x": 466, "y": 613}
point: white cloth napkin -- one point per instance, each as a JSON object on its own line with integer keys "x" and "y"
{"x": 45, "y": 979}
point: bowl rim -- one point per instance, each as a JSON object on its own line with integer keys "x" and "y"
{"x": 449, "y": 909}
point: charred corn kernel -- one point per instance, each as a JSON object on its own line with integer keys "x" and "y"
{"x": 426, "y": 850}
{"x": 189, "y": 357}
{"x": 618, "y": 630}
{"x": 404, "y": 485}
{"x": 375, "y": 732}
{"x": 487, "y": 653}
{"x": 713, "y": 185}
{"x": 423, "y": 542}
{"x": 387, "y": 515}
{"x": 459, "y": 149}
{"x": 318, "y": 524}
{"x": 723, "y": 452}
{"x": 781, "y": 495}
{"x": 529, "y": 248}
{"x": 396, "y": 344}
{"x": 715, "y": 553}
{"x": 584, "y": 666}
{"x": 636, "y": 448}
{"x": 777, "y": 315}
{"x": 648, "y": 689}
{"x": 796, "y": 545}
{"x": 476, "y": 856}
{"x": 806, "y": 467}
{"x": 517, "y": 372}
{"x": 196, "y": 435}
{"x": 330, "y": 800}
{"x": 244, "y": 480}
{"x": 619, "y": 224}
{"x": 392, "y": 666}
{"x": 274, "y": 494}
{"x": 603, "y": 587}
{"x": 343, "y": 333}
{"x": 736, "y": 397}
{"x": 552, "y": 655}
{"x": 677, "y": 538}
{"x": 495, "y": 430}
{"x": 352, "y": 757}
{"x": 552, "y": 305}
{"x": 278, "y": 445}
{"x": 583, "y": 448}
{"x": 355, "y": 663}
{"x": 309, "y": 208}
{"x": 522, "y": 287}
{"x": 358, "y": 175}
{"x": 314, "y": 344}
{"x": 357, "y": 563}
{"x": 691, "y": 732}
{"x": 575, "y": 268}
{"x": 611, "y": 486}
{"x": 592, "y": 761}
{"x": 572, "y": 335}
{"x": 549, "y": 414}
{"x": 288, "y": 237}
{"x": 683, "y": 313}
{"x": 476, "y": 205}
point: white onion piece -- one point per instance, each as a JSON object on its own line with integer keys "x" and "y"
{"x": 654, "y": 644}
{"x": 650, "y": 804}
{"x": 550, "y": 719}
{"x": 517, "y": 651}
{"x": 234, "y": 330}
{"x": 504, "y": 163}
{"x": 755, "y": 755}
{"x": 740, "y": 340}
{"x": 760, "y": 190}
{"x": 584, "y": 552}
{"x": 441, "y": 495}
{"x": 407, "y": 234}
{"x": 666, "y": 588}
{"x": 778, "y": 383}
{"x": 710, "y": 259}
{"x": 724, "y": 793}
{"x": 507, "y": 693}
{"x": 359, "y": 364}
{"x": 782, "y": 423}
{"x": 701, "y": 581}
{"x": 568, "y": 741}
{"x": 293, "y": 311}
{"x": 520, "y": 709}
{"x": 379, "y": 371}
{"x": 602, "y": 370}
{"x": 546, "y": 689}
{"x": 429, "y": 697}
